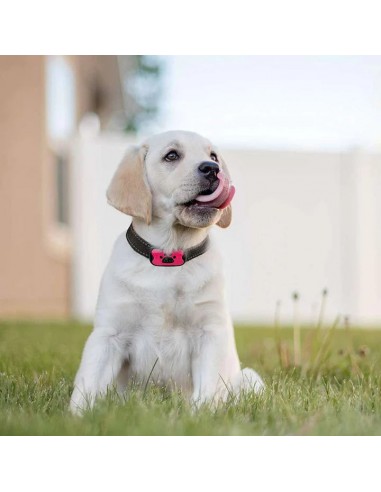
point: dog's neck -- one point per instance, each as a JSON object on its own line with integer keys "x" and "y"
{"x": 169, "y": 237}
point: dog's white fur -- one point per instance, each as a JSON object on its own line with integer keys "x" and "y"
{"x": 175, "y": 319}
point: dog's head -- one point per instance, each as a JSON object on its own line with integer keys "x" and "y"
{"x": 176, "y": 175}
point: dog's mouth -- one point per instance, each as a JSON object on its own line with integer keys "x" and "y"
{"x": 219, "y": 195}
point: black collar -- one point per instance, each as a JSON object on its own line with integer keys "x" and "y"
{"x": 157, "y": 256}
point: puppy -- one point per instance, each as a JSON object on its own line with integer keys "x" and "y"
{"x": 161, "y": 313}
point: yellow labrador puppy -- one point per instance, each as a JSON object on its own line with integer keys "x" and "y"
{"x": 161, "y": 312}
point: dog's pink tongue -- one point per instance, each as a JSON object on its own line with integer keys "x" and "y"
{"x": 221, "y": 197}
{"x": 229, "y": 198}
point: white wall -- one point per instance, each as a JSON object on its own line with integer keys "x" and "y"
{"x": 302, "y": 222}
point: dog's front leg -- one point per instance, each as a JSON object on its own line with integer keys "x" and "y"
{"x": 208, "y": 369}
{"x": 101, "y": 362}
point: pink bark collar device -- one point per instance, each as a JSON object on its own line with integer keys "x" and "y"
{"x": 157, "y": 256}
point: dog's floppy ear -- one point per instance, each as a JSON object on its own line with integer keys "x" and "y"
{"x": 129, "y": 191}
{"x": 226, "y": 216}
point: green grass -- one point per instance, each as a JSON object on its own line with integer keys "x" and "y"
{"x": 336, "y": 389}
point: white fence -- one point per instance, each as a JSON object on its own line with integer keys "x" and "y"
{"x": 302, "y": 222}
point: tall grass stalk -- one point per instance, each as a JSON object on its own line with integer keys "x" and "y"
{"x": 319, "y": 324}
{"x": 324, "y": 350}
{"x": 296, "y": 331}
{"x": 320, "y": 320}
{"x": 277, "y": 330}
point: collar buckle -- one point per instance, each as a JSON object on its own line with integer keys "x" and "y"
{"x": 159, "y": 258}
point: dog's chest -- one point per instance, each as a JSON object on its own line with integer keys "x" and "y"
{"x": 169, "y": 329}
{"x": 167, "y": 297}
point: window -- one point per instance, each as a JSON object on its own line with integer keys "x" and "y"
{"x": 60, "y": 98}
{"x": 60, "y": 117}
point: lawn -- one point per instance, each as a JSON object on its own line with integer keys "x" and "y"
{"x": 334, "y": 389}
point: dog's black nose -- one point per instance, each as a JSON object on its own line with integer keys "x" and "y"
{"x": 209, "y": 169}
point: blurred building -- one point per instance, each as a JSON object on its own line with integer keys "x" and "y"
{"x": 42, "y": 101}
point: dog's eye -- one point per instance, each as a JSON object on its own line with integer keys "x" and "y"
{"x": 172, "y": 156}
{"x": 214, "y": 157}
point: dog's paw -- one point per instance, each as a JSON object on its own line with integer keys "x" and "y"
{"x": 249, "y": 380}
{"x": 80, "y": 402}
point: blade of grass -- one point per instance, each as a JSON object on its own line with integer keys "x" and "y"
{"x": 149, "y": 377}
